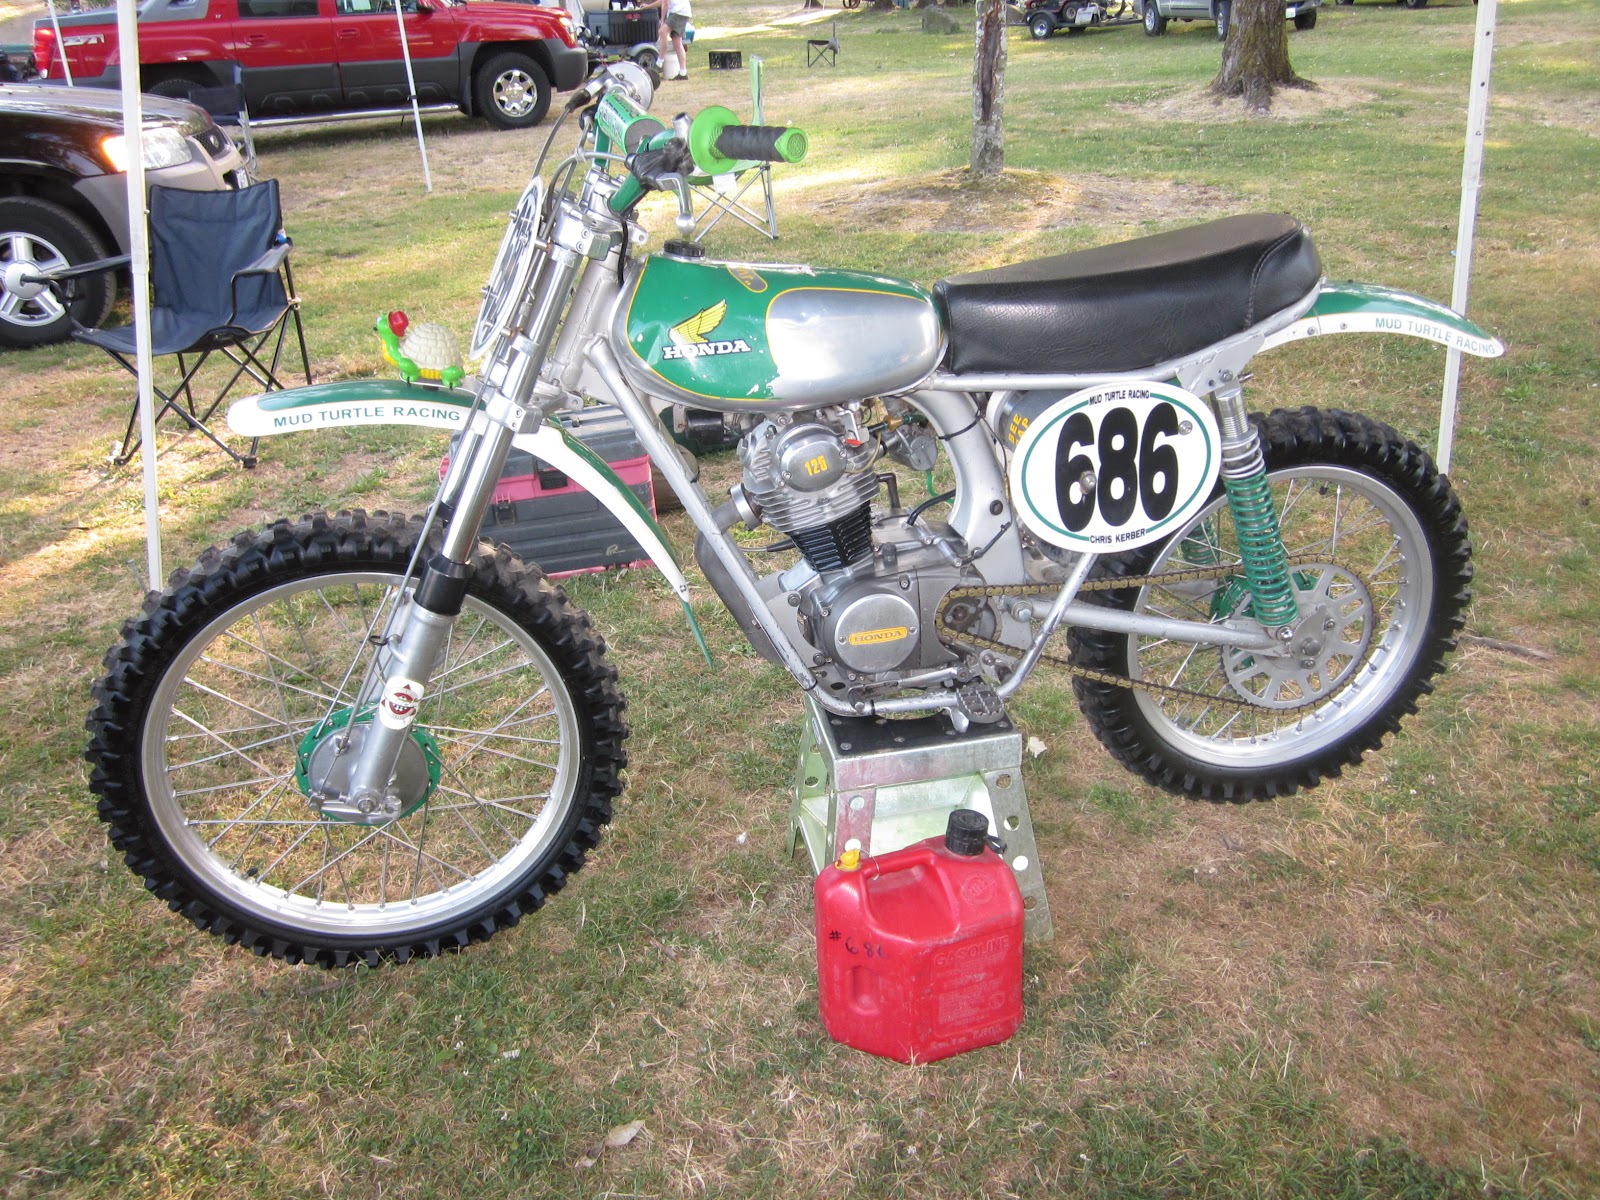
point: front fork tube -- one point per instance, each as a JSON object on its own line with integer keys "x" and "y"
{"x": 417, "y": 643}
{"x": 1255, "y": 516}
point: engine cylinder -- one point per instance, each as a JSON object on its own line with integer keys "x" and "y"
{"x": 810, "y": 484}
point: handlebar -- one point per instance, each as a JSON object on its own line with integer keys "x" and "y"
{"x": 720, "y": 144}
{"x": 762, "y": 143}
{"x": 662, "y": 157}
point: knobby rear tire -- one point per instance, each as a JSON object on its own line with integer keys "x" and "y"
{"x": 1347, "y": 488}
{"x": 212, "y": 688}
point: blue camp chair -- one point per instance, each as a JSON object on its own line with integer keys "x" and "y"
{"x": 220, "y": 284}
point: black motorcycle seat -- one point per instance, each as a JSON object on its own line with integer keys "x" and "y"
{"x": 1129, "y": 305}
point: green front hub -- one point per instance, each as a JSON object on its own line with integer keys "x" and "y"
{"x": 328, "y": 752}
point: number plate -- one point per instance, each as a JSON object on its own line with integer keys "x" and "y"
{"x": 1115, "y": 466}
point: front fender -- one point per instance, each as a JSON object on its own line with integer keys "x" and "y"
{"x": 395, "y": 402}
{"x": 1368, "y": 308}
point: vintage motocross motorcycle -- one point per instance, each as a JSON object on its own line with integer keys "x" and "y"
{"x": 352, "y": 738}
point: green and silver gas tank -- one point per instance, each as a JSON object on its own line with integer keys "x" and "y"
{"x": 742, "y": 337}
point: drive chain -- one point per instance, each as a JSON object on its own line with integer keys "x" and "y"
{"x": 1190, "y": 575}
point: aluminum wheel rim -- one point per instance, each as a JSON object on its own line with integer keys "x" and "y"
{"x": 504, "y": 794}
{"x": 514, "y": 93}
{"x": 24, "y": 253}
{"x": 1328, "y": 511}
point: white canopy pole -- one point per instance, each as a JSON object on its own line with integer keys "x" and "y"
{"x": 139, "y": 251}
{"x": 61, "y": 47}
{"x": 1471, "y": 179}
{"x": 411, "y": 86}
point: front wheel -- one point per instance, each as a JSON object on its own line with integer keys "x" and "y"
{"x": 1041, "y": 26}
{"x": 1382, "y": 584}
{"x": 1306, "y": 20}
{"x": 226, "y": 699}
{"x": 513, "y": 91}
{"x": 1224, "y": 19}
{"x": 1154, "y": 23}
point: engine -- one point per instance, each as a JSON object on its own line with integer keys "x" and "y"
{"x": 866, "y": 598}
{"x": 815, "y": 483}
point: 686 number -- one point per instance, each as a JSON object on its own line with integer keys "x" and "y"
{"x": 1133, "y": 470}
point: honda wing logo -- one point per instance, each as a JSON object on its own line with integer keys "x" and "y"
{"x": 691, "y": 338}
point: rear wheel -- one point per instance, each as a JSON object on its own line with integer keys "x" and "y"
{"x": 177, "y": 89}
{"x": 1415, "y": 3}
{"x": 37, "y": 236}
{"x": 1382, "y": 587}
{"x": 1224, "y": 19}
{"x": 1154, "y": 23}
{"x": 512, "y": 91}
{"x": 1041, "y": 26}
{"x": 1306, "y": 20}
{"x": 222, "y": 719}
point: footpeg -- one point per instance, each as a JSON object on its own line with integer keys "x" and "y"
{"x": 981, "y": 703}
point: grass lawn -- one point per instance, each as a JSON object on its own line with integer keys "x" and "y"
{"x": 1388, "y": 987}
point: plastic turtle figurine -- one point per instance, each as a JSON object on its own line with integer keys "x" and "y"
{"x": 424, "y": 350}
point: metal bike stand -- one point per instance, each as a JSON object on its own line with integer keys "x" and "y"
{"x": 889, "y": 783}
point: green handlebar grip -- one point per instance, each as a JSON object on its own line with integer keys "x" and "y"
{"x": 720, "y": 144}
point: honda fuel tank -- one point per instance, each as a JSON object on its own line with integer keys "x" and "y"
{"x": 759, "y": 338}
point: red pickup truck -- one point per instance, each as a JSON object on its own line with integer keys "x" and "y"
{"x": 307, "y": 57}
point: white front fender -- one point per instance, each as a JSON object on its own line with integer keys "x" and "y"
{"x": 395, "y": 402}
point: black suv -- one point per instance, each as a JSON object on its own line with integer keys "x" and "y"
{"x": 63, "y": 193}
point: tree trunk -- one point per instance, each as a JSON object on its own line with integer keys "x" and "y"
{"x": 988, "y": 89}
{"x": 1255, "y": 58}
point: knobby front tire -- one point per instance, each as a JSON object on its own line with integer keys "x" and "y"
{"x": 214, "y": 686}
{"x": 1390, "y": 589}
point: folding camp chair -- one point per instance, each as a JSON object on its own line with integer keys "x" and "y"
{"x": 824, "y": 50}
{"x": 724, "y": 195}
{"x": 220, "y": 284}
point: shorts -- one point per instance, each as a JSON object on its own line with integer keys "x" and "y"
{"x": 678, "y": 23}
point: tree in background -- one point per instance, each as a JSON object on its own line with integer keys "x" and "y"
{"x": 988, "y": 89}
{"x": 1255, "y": 56}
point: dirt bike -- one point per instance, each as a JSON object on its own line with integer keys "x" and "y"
{"x": 352, "y": 738}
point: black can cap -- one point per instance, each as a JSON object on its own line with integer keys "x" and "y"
{"x": 967, "y": 832}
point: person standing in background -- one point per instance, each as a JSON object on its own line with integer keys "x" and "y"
{"x": 678, "y": 14}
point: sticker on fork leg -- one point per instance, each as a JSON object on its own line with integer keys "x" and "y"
{"x": 398, "y": 708}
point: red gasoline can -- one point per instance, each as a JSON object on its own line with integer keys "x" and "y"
{"x": 919, "y": 952}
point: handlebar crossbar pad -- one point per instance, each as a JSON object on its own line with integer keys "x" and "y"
{"x": 761, "y": 143}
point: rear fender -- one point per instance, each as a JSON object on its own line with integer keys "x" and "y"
{"x": 1368, "y": 308}
{"x": 394, "y": 402}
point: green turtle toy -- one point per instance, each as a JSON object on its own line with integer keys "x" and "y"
{"x": 424, "y": 350}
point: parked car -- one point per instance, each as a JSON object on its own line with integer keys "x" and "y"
{"x": 492, "y": 59}
{"x": 63, "y": 193}
{"x": 1156, "y": 14}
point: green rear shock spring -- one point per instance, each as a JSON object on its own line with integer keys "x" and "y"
{"x": 1266, "y": 565}
{"x": 1255, "y": 517}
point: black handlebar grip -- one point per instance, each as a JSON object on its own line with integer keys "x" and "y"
{"x": 761, "y": 143}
